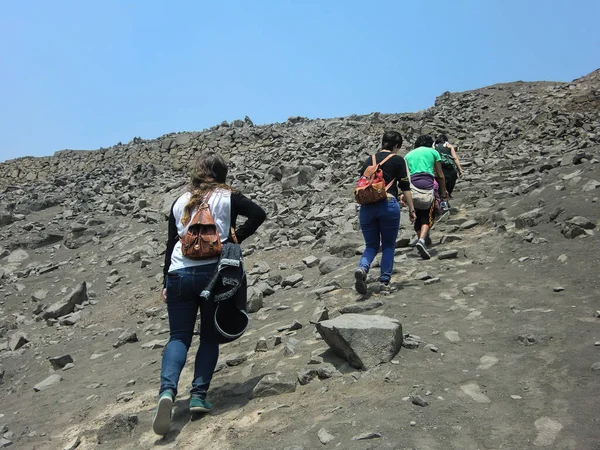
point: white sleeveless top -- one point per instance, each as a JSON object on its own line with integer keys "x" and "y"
{"x": 220, "y": 208}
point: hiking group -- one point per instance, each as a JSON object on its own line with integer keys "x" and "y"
{"x": 426, "y": 176}
{"x": 203, "y": 267}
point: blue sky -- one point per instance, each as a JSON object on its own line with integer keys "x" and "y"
{"x": 83, "y": 74}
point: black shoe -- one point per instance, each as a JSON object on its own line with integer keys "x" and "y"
{"x": 360, "y": 281}
{"x": 427, "y": 240}
{"x": 422, "y": 250}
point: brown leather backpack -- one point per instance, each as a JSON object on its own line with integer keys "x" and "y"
{"x": 202, "y": 240}
{"x": 371, "y": 187}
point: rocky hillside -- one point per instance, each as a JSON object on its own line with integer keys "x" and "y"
{"x": 500, "y": 330}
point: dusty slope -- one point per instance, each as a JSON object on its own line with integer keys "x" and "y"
{"x": 513, "y": 366}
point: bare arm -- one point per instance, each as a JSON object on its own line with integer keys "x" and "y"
{"x": 407, "y": 198}
{"x": 455, "y": 157}
{"x": 441, "y": 179}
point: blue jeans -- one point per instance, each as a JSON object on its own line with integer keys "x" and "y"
{"x": 183, "y": 301}
{"x": 379, "y": 223}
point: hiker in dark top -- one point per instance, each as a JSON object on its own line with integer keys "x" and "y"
{"x": 380, "y": 221}
{"x": 450, "y": 162}
{"x": 185, "y": 279}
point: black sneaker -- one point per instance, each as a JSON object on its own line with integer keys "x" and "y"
{"x": 422, "y": 250}
{"x": 360, "y": 281}
{"x": 427, "y": 240}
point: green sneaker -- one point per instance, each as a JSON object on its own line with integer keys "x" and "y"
{"x": 200, "y": 405}
{"x": 161, "y": 422}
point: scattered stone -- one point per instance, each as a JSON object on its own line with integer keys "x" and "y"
{"x": 306, "y": 375}
{"x": 261, "y": 345}
{"x": 559, "y": 289}
{"x": 596, "y": 367}
{"x": 325, "y": 437}
{"x": 311, "y": 261}
{"x": 468, "y": 290}
{"x": 363, "y": 340}
{"x": 155, "y": 344}
{"x": 4, "y": 443}
{"x": 419, "y": 401}
{"x": 328, "y": 264}
{"x": 17, "y": 340}
{"x": 118, "y": 427}
{"x": 59, "y": 362}
{"x": 47, "y": 383}
{"x": 321, "y": 313}
{"x": 432, "y": 281}
{"x": 255, "y": 299}
{"x": 295, "y": 326}
{"x": 271, "y": 385}
{"x": 448, "y": 254}
{"x": 474, "y": 391}
{"x": 39, "y": 295}
{"x": 125, "y": 396}
{"x": 125, "y": 337}
{"x": 292, "y": 280}
{"x": 360, "y": 307}
{"x": 527, "y": 339}
{"x": 452, "y": 336}
{"x": 367, "y": 435}
{"x": 67, "y": 304}
{"x": 422, "y": 276}
{"x": 236, "y": 360}
{"x": 468, "y": 224}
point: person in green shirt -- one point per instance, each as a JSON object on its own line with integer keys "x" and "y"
{"x": 425, "y": 167}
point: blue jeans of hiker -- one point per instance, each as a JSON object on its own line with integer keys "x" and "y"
{"x": 379, "y": 223}
{"x": 183, "y": 301}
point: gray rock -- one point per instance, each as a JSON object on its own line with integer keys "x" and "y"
{"x": 5, "y": 443}
{"x": 359, "y": 308}
{"x": 306, "y": 375}
{"x": 363, "y": 340}
{"x": 17, "y": 340}
{"x": 275, "y": 384}
{"x": 39, "y": 295}
{"x": 324, "y": 436}
{"x": 125, "y": 337}
{"x": 311, "y": 261}
{"x": 529, "y": 218}
{"x": 432, "y": 281}
{"x": 422, "y": 276}
{"x": 367, "y": 435}
{"x": 328, "y": 264}
{"x": 2, "y": 373}
{"x": 47, "y": 383}
{"x": 326, "y": 370}
{"x": 118, "y": 427}
{"x": 236, "y": 360}
{"x": 591, "y": 185}
{"x": 419, "y": 401}
{"x": 448, "y": 254}
{"x": 292, "y": 280}
{"x": 321, "y": 313}
{"x": 596, "y": 367}
{"x": 155, "y": 344}
{"x": 255, "y": 299}
{"x": 59, "y": 362}
{"x": 261, "y": 345}
{"x": 582, "y": 222}
{"x": 468, "y": 224}
{"x": 67, "y": 304}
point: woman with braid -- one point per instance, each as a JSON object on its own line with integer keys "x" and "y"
{"x": 185, "y": 279}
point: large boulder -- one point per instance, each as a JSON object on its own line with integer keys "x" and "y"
{"x": 67, "y": 304}
{"x": 363, "y": 340}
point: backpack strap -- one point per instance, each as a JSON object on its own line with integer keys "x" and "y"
{"x": 384, "y": 159}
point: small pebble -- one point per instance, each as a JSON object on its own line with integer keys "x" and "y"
{"x": 559, "y": 289}
{"x": 413, "y": 423}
